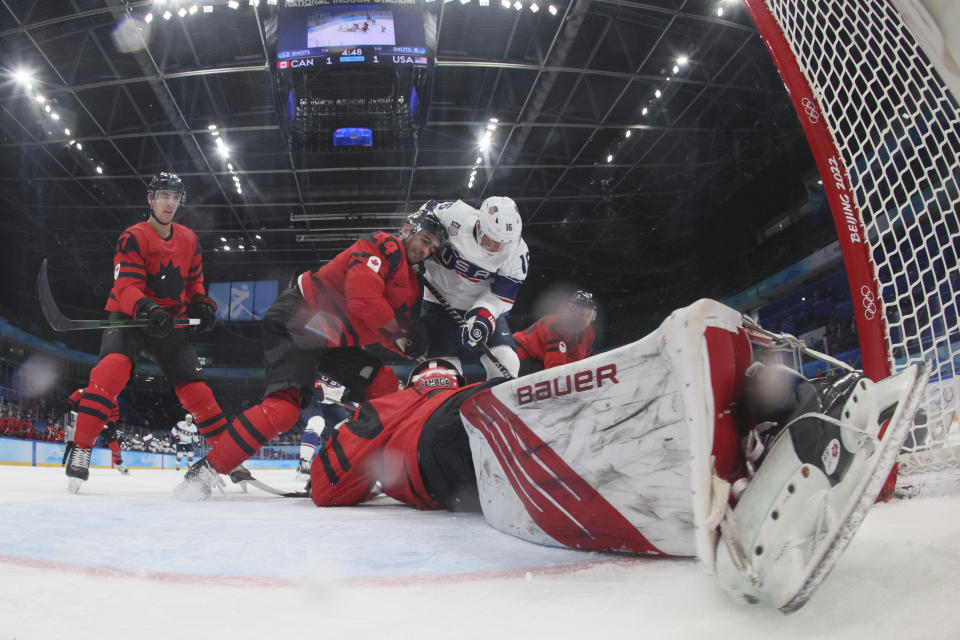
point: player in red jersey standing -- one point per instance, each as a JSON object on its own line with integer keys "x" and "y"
{"x": 158, "y": 276}
{"x": 363, "y": 297}
{"x": 558, "y": 338}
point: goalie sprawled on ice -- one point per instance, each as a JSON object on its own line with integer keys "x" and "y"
{"x": 677, "y": 444}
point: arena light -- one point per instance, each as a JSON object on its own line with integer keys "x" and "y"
{"x": 208, "y": 8}
{"x": 676, "y": 68}
{"x": 233, "y": 4}
{"x": 628, "y": 133}
{"x": 167, "y": 15}
{"x": 23, "y": 77}
{"x": 193, "y": 9}
{"x": 226, "y": 247}
{"x": 254, "y": 3}
{"x": 80, "y": 146}
{"x": 99, "y": 169}
{"x": 222, "y": 239}
{"x": 657, "y": 93}
{"x": 505, "y": 4}
{"x": 272, "y": 3}
{"x": 518, "y": 5}
{"x": 683, "y": 60}
{"x": 720, "y": 11}
{"x": 643, "y": 112}
{"x": 66, "y": 132}
{"x": 484, "y": 3}
{"x": 182, "y": 12}
{"x": 55, "y": 115}
{"x": 553, "y": 10}
{"x": 534, "y": 7}
{"x": 258, "y": 237}
{"x": 148, "y": 18}
{"x": 465, "y": 1}
{"x": 41, "y": 99}
{"x": 609, "y": 158}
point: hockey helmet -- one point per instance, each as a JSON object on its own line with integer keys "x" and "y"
{"x": 583, "y": 298}
{"x": 499, "y": 222}
{"x": 435, "y": 373}
{"x": 426, "y": 220}
{"x": 189, "y": 416}
{"x": 166, "y": 181}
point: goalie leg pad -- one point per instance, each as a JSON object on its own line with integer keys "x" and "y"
{"x": 813, "y": 489}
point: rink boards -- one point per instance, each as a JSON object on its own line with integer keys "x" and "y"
{"x": 37, "y": 453}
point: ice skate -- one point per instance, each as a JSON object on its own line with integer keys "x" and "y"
{"x": 122, "y": 468}
{"x": 198, "y": 482}
{"x": 820, "y": 476}
{"x": 303, "y": 469}
{"x": 240, "y": 475}
{"x": 78, "y": 468}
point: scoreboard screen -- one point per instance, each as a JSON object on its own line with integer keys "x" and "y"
{"x": 316, "y": 33}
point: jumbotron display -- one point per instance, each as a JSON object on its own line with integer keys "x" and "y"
{"x": 317, "y": 33}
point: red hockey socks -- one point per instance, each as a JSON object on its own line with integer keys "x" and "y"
{"x": 99, "y": 398}
{"x": 197, "y": 398}
{"x": 115, "y": 452}
{"x": 254, "y": 428}
{"x": 383, "y": 383}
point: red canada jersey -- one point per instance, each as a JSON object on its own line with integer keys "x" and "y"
{"x": 361, "y": 290}
{"x": 379, "y": 443}
{"x": 167, "y": 270}
{"x": 547, "y": 342}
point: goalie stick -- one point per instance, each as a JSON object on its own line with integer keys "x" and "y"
{"x": 60, "y": 322}
{"x": 453, "y": 313}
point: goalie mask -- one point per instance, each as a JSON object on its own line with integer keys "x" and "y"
{"x": 498, "y": 225}
{"x": 435, "y": 373}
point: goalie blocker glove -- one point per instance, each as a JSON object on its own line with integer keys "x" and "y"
{"x": 477, "y": 327}
{"x": 161, "y": 322}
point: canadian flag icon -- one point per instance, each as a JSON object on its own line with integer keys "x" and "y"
{"x": 283, "y": 64}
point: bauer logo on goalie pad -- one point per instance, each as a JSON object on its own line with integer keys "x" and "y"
{"x": 565, "y": 385}
{"x": 831, "y": 457}
{"x": 374, "y": 263}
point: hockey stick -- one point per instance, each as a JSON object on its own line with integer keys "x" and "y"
{"x": 60, "y": 322}
{"x": 455, "y": 315}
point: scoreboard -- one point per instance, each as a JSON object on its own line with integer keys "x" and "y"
{"x": 312, "y": 34}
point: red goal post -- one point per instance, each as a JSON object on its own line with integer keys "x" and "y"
{"x": 885, "y": 133}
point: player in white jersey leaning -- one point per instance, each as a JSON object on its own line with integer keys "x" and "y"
{"x": 479, "y": 272}
{"x": 185, "y": 435}
{"x": 322, "y": 416}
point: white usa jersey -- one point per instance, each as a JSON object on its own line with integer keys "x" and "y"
{"x": 468, "y": 275}
{"x": 185, "y": 433}
{"x": 332, "y": 390}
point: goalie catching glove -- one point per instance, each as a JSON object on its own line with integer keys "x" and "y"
{"x": 205, "y": 309}
{"x": 477, "y": 327}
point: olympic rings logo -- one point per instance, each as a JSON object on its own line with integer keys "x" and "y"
{"x": 813, "y": 115}
{"x": 869, "y": 304}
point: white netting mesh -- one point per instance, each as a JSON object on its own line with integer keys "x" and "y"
{"x": 897, "y": 130}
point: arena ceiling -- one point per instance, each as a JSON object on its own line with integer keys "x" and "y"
{"x": 640, "y": 140}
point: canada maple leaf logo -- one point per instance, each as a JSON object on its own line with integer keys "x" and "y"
{"x": 167, "y": 282}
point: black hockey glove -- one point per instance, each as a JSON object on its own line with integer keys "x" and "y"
{"x": 161, "y": 322}
{"x": 205, "y": 309}
{"x": 416, "y": 342}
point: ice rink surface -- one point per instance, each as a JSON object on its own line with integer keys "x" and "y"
{"x": 124, "y": 559}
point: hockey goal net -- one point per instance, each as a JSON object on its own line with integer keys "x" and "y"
{"x": 885, "y": 133}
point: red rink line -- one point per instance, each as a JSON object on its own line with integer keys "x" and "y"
{"x": 369, "y": 581}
